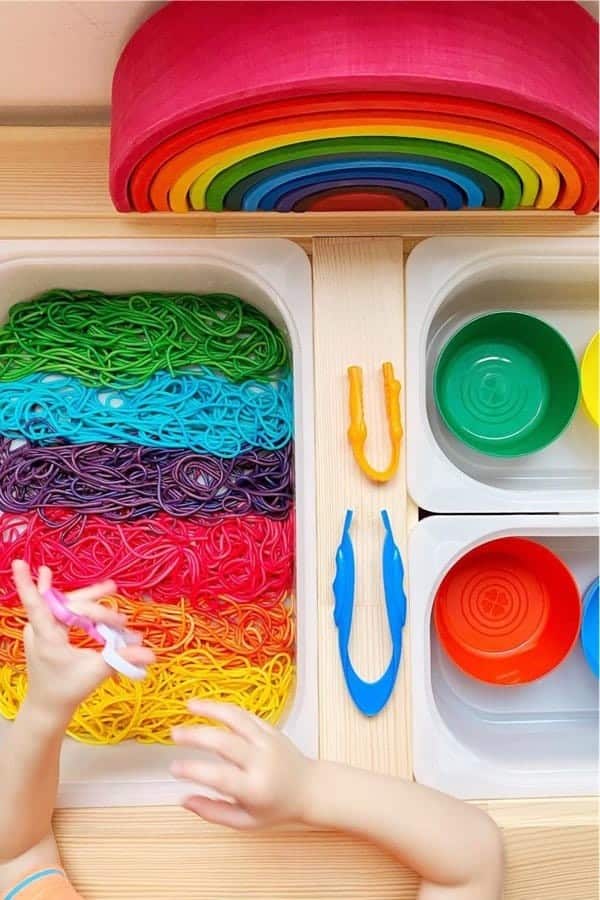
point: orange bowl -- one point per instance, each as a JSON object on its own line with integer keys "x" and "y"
{"x": 508, "y": 611}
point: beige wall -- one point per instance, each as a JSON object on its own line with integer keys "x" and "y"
{"x": 57, "y": 58}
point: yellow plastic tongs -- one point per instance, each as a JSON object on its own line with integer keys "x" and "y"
{"x": 357, "y": 432}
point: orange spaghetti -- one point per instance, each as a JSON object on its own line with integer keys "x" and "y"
{"x": 249, "y": 630}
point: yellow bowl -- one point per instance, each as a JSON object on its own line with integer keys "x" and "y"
{"x": 590, "y": 376}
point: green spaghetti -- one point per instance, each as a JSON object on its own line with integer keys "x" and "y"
{"x": 105, "y": 339}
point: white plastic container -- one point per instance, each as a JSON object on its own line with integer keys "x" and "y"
{"x": 275, "y": 276}
{"x": 450, "y": 281}
{"x": 482, "y": 741}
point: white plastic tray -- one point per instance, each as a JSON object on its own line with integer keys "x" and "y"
{"x": 452, "y": 280}
{"x": 476, "y": 740}
{"x": 275, "y": 276}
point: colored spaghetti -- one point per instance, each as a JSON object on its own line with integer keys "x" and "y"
{"x": 147, "y": 438}
{"x": 249, "y": 558}
{"x": 203, "y": 412}
{"x": 249, "y": 630}
{"x": 122, "y": 710}
{"x": 124, "y": 482}
{"x": 105, "y": 339}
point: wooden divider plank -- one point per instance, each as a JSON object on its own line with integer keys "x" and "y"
{"x": 61, "y": 173}
{"x": 359, "y": 320}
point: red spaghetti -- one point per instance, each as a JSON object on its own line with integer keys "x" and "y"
{"x": 249, "y": 559}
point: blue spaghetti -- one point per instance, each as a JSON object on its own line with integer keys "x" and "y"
{"x": 204, "y": 412}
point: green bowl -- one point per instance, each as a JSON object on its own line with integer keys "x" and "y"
{"x": 506, "y": 384}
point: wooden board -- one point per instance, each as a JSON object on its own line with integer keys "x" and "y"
{"x": 53, "y": 184}
{"x": 131, "y": 854}
{"x": 552, "y": 854}
{"x": 62, "y": 173}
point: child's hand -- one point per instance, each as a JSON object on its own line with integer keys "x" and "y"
{"x": 266, "y": 777}
{"x": 60, "y": 676}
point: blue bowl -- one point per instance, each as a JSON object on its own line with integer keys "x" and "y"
{"x": 590, "y": 627}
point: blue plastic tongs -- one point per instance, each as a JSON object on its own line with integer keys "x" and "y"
{"x": 369, "y": 696}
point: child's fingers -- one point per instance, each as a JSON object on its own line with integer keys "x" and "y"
{"x": 93, "y": 592}
{"x": 228, "y": 745}
{"x": 104, "y": 615}
{"x": 135, "y": 637}
{"x": 138, "y": 656}
{"x": 44, "y": 581}
{"x": 219, "y": 812}
{"x": 223, "y": 778}
{"x": 41, "y": 619}
{"x": 237, "y": 719}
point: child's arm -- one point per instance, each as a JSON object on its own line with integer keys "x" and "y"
{"x": 455, "y": 848}
{"x": 59, "y": 678}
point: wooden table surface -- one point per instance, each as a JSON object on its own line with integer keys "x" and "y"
{"x": 53, "y": 184}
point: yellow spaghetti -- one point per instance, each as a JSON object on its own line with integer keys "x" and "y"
{"x": 122, "y": 710}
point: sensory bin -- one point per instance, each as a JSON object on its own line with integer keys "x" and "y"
{"x": 453, "y": 282}
{"x": 476, "y": 739}
{"x": 505, "y": 696}
{"x": 149, "y": 396}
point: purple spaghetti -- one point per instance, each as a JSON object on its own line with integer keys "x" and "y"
{"x": 125, "y": 482}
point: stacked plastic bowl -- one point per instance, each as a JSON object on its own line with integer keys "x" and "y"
{"x": 507, "y": 384}
{"x": 303, "y": 106}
